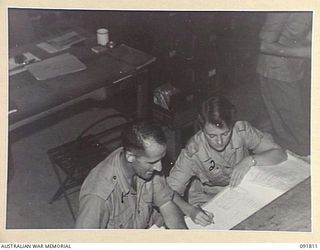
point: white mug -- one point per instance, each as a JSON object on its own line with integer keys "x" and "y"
{"x": 102, "y": 36}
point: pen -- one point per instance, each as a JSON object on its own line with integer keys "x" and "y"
{"x": 205, "y": 212}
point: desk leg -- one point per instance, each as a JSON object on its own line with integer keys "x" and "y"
{"x": 144, "y": 96}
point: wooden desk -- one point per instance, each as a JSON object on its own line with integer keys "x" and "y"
{"x": 289, "y": 212}
{"x": 34, "y": 99}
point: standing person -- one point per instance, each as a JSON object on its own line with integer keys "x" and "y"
{"x": 283, "y": 67}
{"x": 126, "y": 190}
{"x": 218, "y": 155}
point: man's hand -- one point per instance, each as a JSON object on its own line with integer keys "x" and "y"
{"x": 239, "y": 171}
{"x": 202, "y": 217}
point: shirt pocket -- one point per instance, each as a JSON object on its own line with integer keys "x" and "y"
{"x": 216, "y": 174}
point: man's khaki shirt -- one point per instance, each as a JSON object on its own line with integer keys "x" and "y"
{"x": 107, "y": 200}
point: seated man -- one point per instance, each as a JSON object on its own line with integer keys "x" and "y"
{"x": 126, "y": 190}
{"x": 218, "y": 155}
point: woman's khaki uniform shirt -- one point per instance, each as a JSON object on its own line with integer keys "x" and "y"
{"x": 209, "y": 170}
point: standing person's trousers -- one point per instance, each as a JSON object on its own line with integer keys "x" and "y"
{"x": 289, "y": 114}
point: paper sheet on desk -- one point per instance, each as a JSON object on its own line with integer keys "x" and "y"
{"x": 261, "y": 185}
{"x": 56, "y": 66}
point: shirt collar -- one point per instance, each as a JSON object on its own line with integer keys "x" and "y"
{"x": 121, "y": 174}
{"x": 120, "y": 171}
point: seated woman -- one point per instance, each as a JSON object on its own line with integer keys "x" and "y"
{"x": 218, "y": 155}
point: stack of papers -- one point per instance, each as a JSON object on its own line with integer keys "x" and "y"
{"x": 62, "y": 42}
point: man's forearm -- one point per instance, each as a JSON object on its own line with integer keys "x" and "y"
{"x": 185, "y": 207}
{"x": 173, "y": 216}
{"x": 277, "y": 49}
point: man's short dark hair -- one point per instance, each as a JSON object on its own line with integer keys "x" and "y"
{"x": 134, "y": 136}
{"x": 218, "y": 111}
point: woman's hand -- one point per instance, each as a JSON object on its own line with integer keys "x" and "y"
{"x": 200, "y": 216}
{"x": 239, "y": 171}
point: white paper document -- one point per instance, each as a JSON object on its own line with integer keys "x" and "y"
{"x": 260, "y": 186}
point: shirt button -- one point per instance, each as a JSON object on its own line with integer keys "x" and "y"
{"x": 114, "y": 177}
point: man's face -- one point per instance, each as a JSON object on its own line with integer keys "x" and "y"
{"x": 145, "y": 165}
{"x": 218, "y": 138}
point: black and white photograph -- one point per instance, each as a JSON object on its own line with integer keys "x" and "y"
{"x": 159, "y": 119}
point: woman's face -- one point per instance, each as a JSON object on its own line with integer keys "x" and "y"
{"x": 218, "y": 138}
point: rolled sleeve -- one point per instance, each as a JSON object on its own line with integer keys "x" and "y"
{"x": 162, "y": 193}
{"x": 181, "y": 173}
{"x": 251, "y": 136}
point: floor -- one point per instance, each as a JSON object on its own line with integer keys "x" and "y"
{"x": 34, "y": 180}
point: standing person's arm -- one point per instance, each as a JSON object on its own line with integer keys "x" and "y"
{"x": 277, "y": 49}
{"x": 270, "y": 34}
